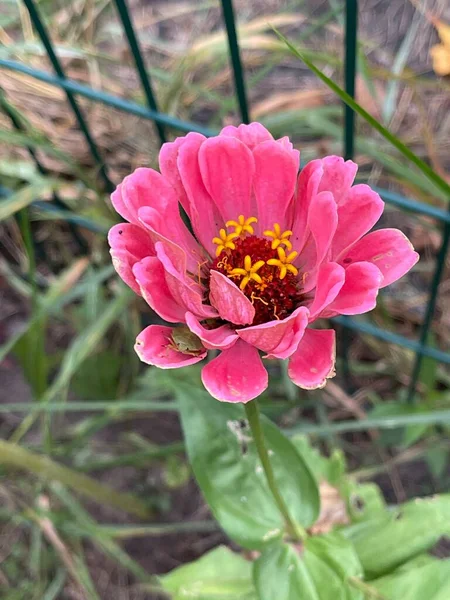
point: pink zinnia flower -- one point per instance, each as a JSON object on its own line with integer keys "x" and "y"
{"x": 272, "y": 252}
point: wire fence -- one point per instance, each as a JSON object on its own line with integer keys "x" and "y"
{"x": 164, "y": 122}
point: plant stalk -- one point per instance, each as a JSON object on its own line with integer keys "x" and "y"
{"x": 254, "y": 420}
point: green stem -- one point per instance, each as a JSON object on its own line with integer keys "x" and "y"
{"x": 366, "y": 589}
{"x": 253, "y": 416}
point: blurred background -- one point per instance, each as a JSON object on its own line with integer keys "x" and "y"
{"x": 76, "y": 406}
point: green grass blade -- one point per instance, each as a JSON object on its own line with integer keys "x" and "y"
{"x": 54, "y": 300}
{"x": 98, "y": 534}
{"x": 394, "y": 140}
{"x": 397, "y": 68}
{"x": 26, "y": 195}
{"x": 42, "y": 466}
{"x": 79, "y": 350}
{"x": 86, "y": 343}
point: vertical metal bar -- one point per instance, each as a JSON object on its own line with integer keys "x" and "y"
{"x": 351, "y": 25}
{"x": 228, "y": 15}
{"x": 42, "y": 32}
{"x": 429, "y": 313}
{"x": 133, "y": 42}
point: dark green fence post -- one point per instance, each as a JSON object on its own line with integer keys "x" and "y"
{"x": 42, "y": 32}
{"x": 351, "y": 25}
{"x": 230, "y": 23}
{"x": 133, "y": 42}
{"x": 431, "y": 306}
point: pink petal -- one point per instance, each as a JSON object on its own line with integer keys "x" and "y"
{"x": 274, "y": 183}
{"x": 179, "y": 243}
{"x": 220, "y": 338}
{"x": 250, "y": 135}
{"x": 147, "y": 198}
{"x": 153, "y": 346}
{"x": 360, "y": 290}
{"x": 313, "y": 362}
{"x": 307, "y": 188}
{"x": 356, "y": 216}
{"x": 330, "y": 280}
{"x": 230, "y": 302}
{"x": 286, "y": 143}
{"x": 389, "y": 249}
{"x": 205, "y": 217}
{"x": 151, "y": 278}
{"x": 236, "y": 375}
{"x": 168, "y": 165}
{"x": 119, "y": 204}
{"x": 322, "y": 223}
{"x": 338, "y": 176}
{"x": 184, "y": 290}
{"x": 227, "y": 169}
{"x": 278, "y": 338}
{"x": 129, "y": 244}
{"x": 147, "y": 187}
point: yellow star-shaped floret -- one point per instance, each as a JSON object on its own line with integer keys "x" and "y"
{"x": 249, "y": 272}
{"x": 283, "y": 262}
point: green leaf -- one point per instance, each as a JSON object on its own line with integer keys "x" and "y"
{"x": 218, "y": 575}
{"x": 364, "y": 501}
{"x": 438, "y": 182}
{"x": 316, "y": 572}
{"x": 331, "y": 469}
{"x": 229, "y": 473}
{"x": 338, "y": 552}
{"x": 280, "y": 573}
{"x": 437, "y": 460}
{"x": 385, "y": 542}
{"x": 406, "y": 436}
{"x": 25, "y": 196}
{"x": 98, "y": 377}
{"x": 429, "y": 582}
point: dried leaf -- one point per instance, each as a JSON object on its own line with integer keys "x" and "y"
{"x": 440, "y": 53}
{"x": 290, "y": 101}
{"x": 333, "y": 510}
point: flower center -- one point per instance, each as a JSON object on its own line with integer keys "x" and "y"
{"x": 260, "y": 267}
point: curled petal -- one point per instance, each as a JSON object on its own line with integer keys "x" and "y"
{"x": 150, "y": 200}
{"x": 151, "y": 278}
{"x": 286, "y": 143}
{"x": 356, "y": 216}
{"x": 168, "y": 165}
{"x": 330, "y": 280}
{"x": 278, "y": 338}
{"x": 129, "y": 244}
{"x": 230, "y": 302}
{"x": 119, "y": 204}
{"x": 388, "y": 249}
{"x": 359, "y": 293}
{"x": 322, "y": 222}
{"x": 219, "y": 338}
{"x": 251, "y": 135}
{"x": 313, "y": 362}
{"x": 338, "y": 176}
{"x": 307, "y": 188}
{"x": 154, "y": 346}
{"x": 236, "y": 375}
{"x": 274, "y": 184}
{"x": 227, "y": 169}
{"x": 184, "y": 290}
{"x": 205, "y": 216}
